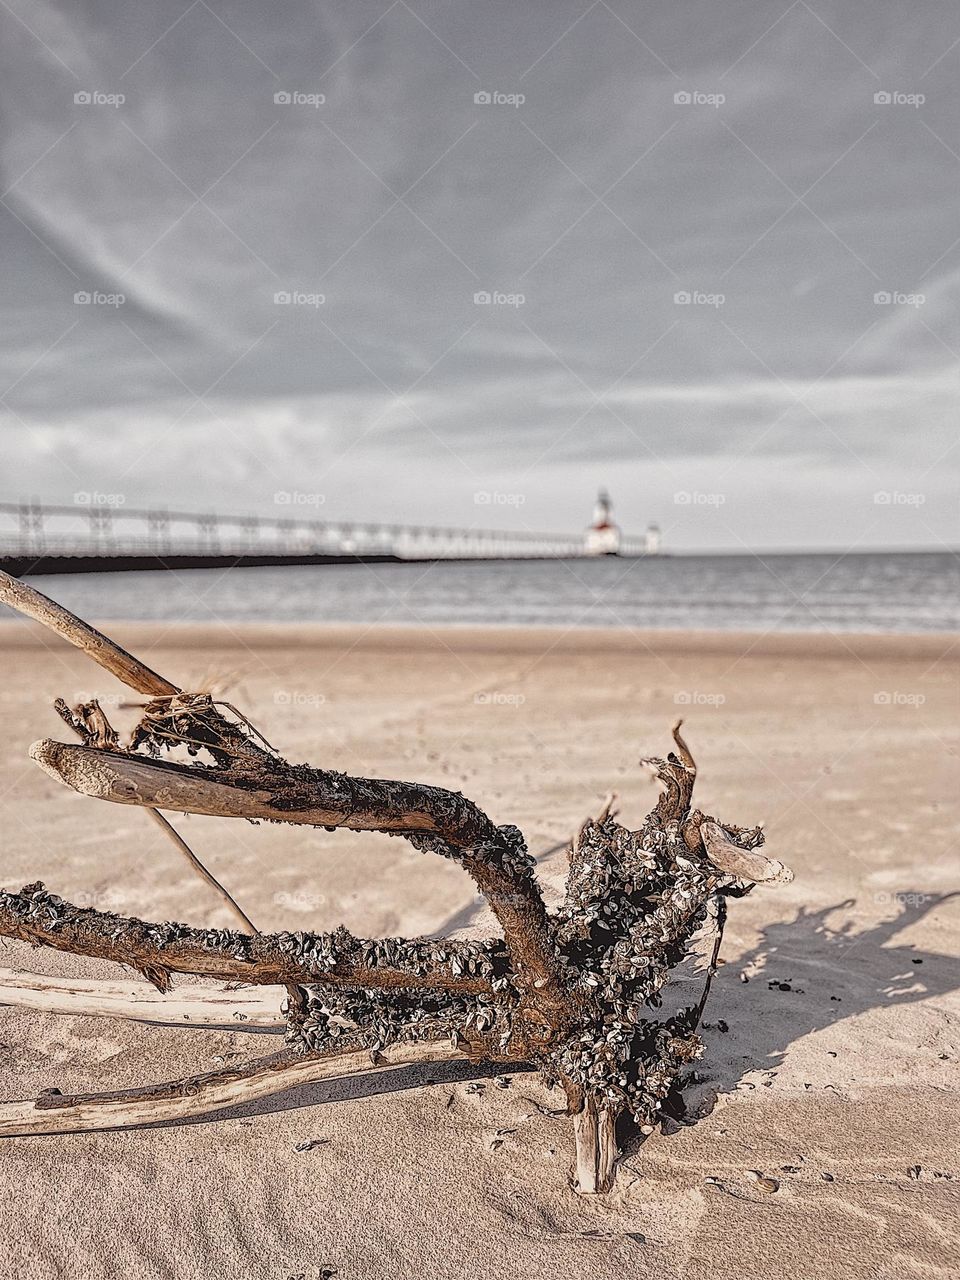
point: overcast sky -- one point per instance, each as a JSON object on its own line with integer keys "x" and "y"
{"x": 588, "y": 194}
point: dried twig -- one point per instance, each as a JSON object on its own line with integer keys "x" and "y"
{"x": 207, "y": 876}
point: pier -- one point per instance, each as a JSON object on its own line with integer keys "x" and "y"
{"x": 100, "y": 536}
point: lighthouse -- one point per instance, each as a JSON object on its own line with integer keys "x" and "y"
{"x": 603, "y": 536}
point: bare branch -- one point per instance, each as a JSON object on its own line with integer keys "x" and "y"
{"x": 587, "y": 1141}
{"x": 594, "y": 1133}
{"x": 676, "y": 775}
{"x": 285, "y": 794}
{"x": 198, "y": 1095}
{"x": 207, "y": 876}
{"x": 686, "y": 759}
{"x": 134, "y": 673}
{"x": 191, "y": 1005}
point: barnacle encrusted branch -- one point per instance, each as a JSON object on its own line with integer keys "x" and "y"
{"x": 336, "y": 959}
{"x": 432, "y": 819}
{"x": 574, "y": 991}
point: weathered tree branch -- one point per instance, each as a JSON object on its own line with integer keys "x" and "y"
{"x": 594, "y": 1130}
{"x": 676, "y": 775}
{"x": 318, "y": 797}
{"x": 211, "y": 1091}
{"x": 336, "y": 959}
{"x": 432, "y": 818}
{"x": 743, "y": 864}
{"x": 191, "y": 1005}
{"x": 131, "y": 671}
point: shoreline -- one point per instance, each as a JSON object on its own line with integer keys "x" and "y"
{"x": 493, "y": 638}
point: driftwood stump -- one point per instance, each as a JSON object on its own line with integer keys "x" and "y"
{"x": 572, "y": 991}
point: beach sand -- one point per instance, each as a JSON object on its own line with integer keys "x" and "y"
{"x": 835, "y": 1064}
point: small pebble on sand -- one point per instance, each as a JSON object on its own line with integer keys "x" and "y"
{"x": 762, "y": 1182}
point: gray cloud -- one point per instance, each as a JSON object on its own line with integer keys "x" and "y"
{"x": 796, "y": 199}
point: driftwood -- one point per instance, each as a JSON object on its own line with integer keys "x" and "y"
{"x": 247, "y": 1008}
{"x": 54, "y": 1112}
{"x": 570, "y": 991}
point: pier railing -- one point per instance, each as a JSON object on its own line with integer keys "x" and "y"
{"x": 103, "y": 530}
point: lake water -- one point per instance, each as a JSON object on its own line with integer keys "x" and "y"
{"x": 900, "y": 592}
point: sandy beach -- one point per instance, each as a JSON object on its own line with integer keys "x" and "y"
{"x": 833, "y": 1034}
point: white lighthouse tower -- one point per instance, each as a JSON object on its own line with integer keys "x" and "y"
{"x": 603, "y": 536}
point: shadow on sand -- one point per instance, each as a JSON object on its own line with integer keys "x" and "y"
{"x": 808, "y": 974}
